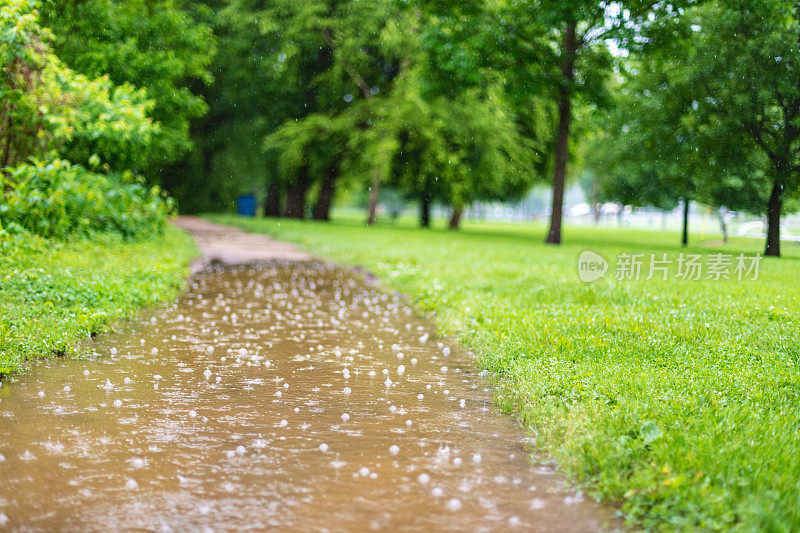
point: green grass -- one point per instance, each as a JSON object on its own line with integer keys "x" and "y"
{"x": 54, "y": 295}
{"x": 678, "y": 401}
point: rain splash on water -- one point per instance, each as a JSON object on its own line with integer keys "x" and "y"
{"x": 288, "y": 396}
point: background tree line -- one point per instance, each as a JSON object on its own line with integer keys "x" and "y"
{"x": 446, "y": 102}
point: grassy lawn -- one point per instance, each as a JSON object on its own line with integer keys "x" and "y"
{"x": 53, "y": 295}
{"x": 677, "y": 400}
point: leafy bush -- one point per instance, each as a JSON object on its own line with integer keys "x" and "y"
{"x": 60, "y": 200}
{"x": 50, "y": 108}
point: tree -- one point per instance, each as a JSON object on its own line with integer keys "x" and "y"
{"x": 49, "y": 110}
{"x": 714, "y": 119}
{"x": 310, "y": 151}
{"x": 749, "y": 97}
{"x": 247, "y": 99}
{"x": 150, "y": 44}
{"x": 344, "y": 56}
{"x": 576, "y": 35}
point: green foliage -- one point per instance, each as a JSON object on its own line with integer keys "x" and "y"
{"x": 49, "y": 108}
{"x": 677, "y": 400}
{"x": 60, "y": 200}
{"x": 452, "y": 149}
{"x": 374, "y": 77}
{"x": 710, "y": 117}
{"x": 155, "y": 45}
{"x": 56, "y": 294}
{"x": 316, "y": 143}
{"x": 51, "y": 113}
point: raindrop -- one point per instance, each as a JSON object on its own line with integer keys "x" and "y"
{"x": 27, "y": 456}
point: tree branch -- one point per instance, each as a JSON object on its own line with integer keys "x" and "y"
{"x": 365, "y": 88}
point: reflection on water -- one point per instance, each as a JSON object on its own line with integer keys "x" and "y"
{"x": 288, "y": 396}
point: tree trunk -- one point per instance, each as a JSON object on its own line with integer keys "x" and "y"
{"x": 8, "y": 110}
{"x": 272, "y": 204}
{"x": 425, "y": 211}
{"x": 568, "y": 53}
{"x": 455, "y": 218}
{"x": 685, "y": 237}
{"x": 327, "y": 190}
{"x": 374, "y": 193}
{"x": 723, "y": 224}
{"x": 774, "y": 207}
{"x": 7, "y": 145}
{"x": 296, "y": 195}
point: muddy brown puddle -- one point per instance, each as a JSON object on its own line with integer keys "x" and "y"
{"x": 280, "y": 397}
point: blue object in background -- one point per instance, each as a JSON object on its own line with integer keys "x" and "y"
{"x": 246, "y": 205}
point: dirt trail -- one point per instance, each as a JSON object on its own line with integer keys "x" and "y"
{"x": 233, "y": 246}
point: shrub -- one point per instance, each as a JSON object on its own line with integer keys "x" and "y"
{"x": 59, "y": 200}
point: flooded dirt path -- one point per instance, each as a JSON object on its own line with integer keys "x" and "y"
{"x": 288, "y": 396}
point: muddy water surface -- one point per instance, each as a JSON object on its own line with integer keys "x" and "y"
{"x": 283, "y": 397}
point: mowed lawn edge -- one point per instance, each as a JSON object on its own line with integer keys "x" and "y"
{"x": 676, "y": 400}
{"x": 56, "y": 294}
